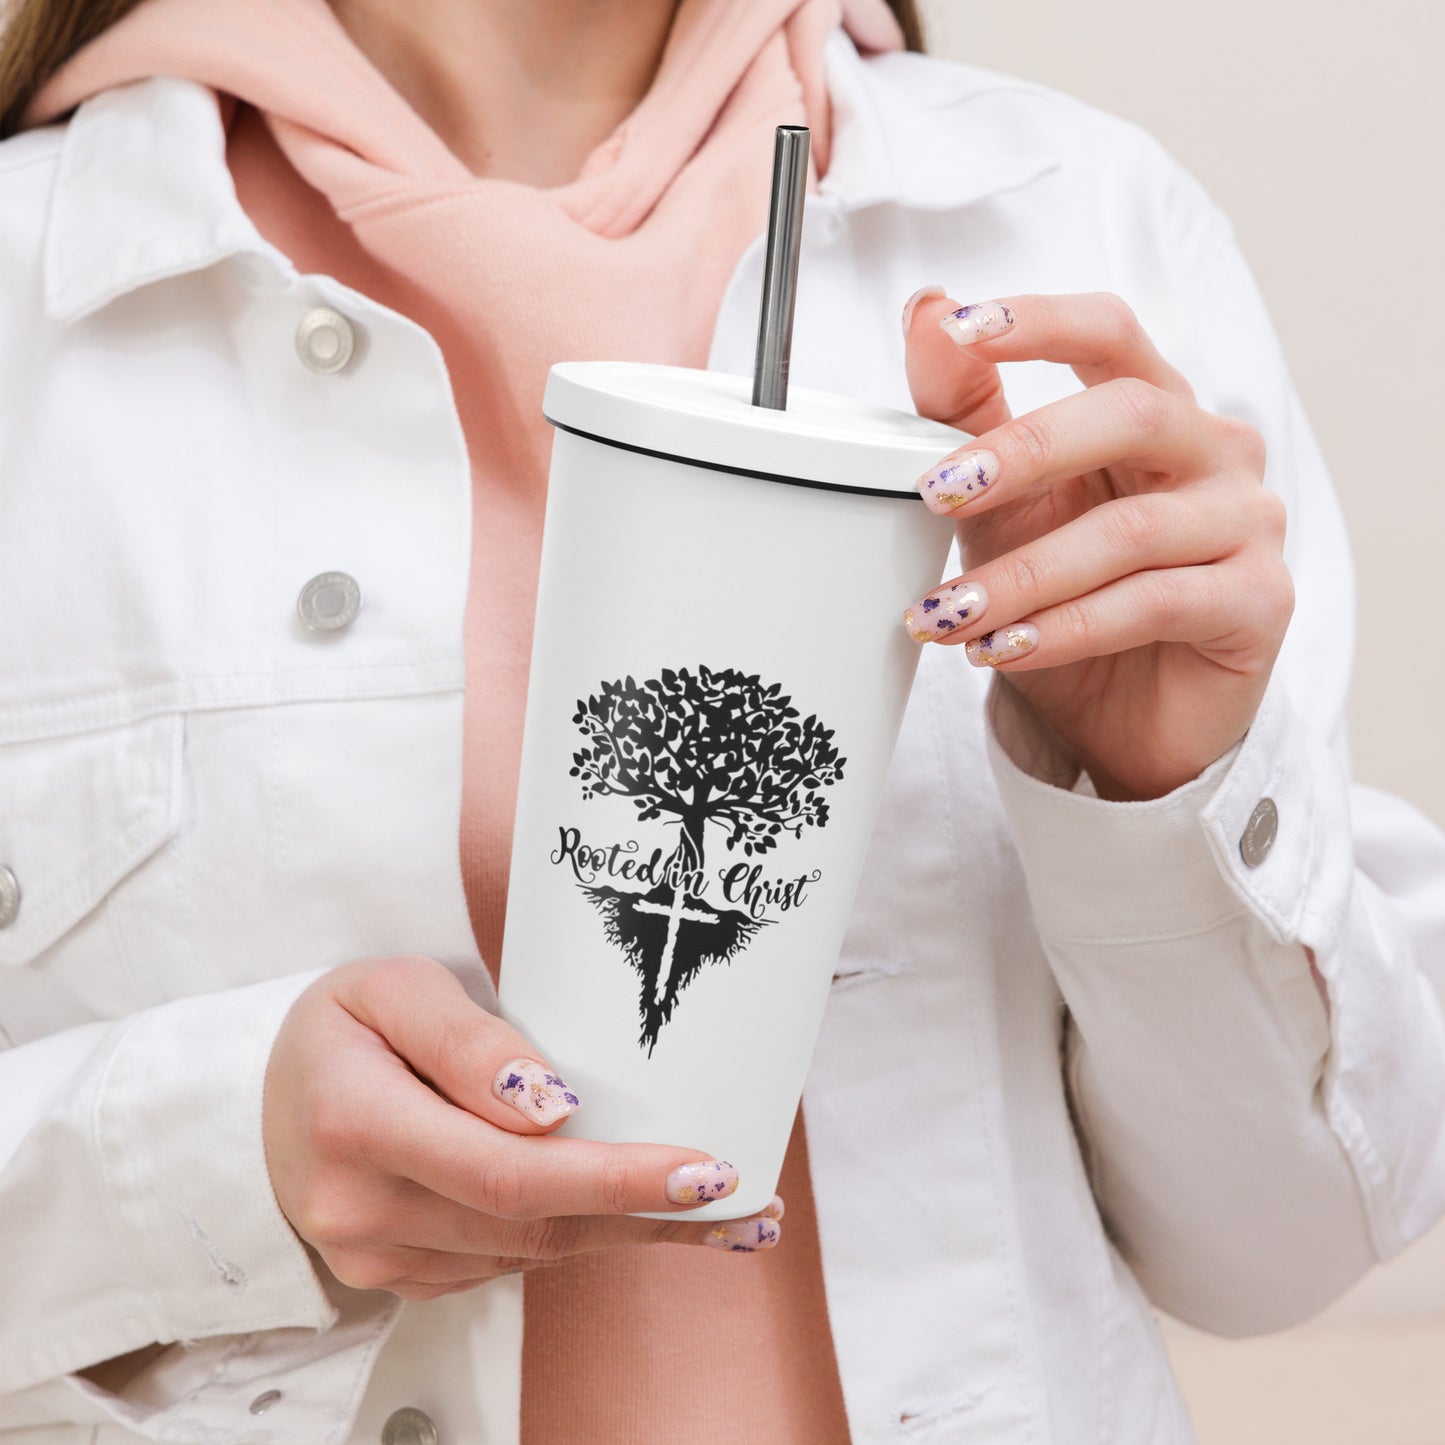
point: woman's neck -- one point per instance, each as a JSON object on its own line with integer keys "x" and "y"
{"x": 520, "y": 90}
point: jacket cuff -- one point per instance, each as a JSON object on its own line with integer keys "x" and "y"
{"x": 178, "y": 1132}
{"x": 1101, "y": 871}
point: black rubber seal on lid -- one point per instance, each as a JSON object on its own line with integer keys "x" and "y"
{"x": 738, "y": 471}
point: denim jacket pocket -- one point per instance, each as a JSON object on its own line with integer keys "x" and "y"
{"x": 79, "y": 813}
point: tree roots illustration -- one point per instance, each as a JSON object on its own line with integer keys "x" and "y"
{"x": 641, "y": 932}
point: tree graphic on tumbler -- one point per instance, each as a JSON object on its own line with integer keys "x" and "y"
{"x": 697, "y": 749}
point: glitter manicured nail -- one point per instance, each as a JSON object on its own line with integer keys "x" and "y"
{"x": 774, "y": 1207}
{"x": 702, "y": 1182}
{"x": 958, "y": 479}
{"x": 924, "y": 293}
{"x": 1002, "y": 644}
{"x": 977, "y": 323}
{"x": 744, "y": 1236}
{"x": 945, "y": 610}
{"x": 532, "y": 1090}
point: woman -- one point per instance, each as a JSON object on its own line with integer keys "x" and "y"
{"x": 1128, "y": 1010}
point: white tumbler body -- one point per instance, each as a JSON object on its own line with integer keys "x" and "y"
{"x": 719, "y": 673}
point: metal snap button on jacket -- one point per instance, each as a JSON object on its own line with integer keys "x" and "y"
{"x": 329, "y": 602}
{"x": 1259, "y": 833}
{"x": 409, "y": 1426}
{"x": 9, "y": 896}
{"x": 325, "y": 340}
{"x": 264, "y": 1401}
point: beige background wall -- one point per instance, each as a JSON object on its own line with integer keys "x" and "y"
{"x": 1321, "y": 129}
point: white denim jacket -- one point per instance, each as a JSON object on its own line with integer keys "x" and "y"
{"x": 1075, "y": 1061}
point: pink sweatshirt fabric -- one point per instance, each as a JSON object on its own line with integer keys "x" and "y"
{"x": 628, "y": 261}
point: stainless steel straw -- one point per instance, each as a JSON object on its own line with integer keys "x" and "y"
{"x": 780, "y": 279}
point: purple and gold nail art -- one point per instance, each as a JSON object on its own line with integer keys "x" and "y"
{"x": 1002, "y": 644}
{"x": 701, "y": 1183}
{"x": 744, "y": 1236}
{"x": 957, "y": 480}
{"x": 924, "y": 293}
{"x": 977, "y": 323}
{"x": 944, "y": 610}
{"x": 773, "y": 1209}
{"x": 534, "y": 1091}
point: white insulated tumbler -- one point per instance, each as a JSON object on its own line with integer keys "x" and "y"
{"x": 719, "y": 673}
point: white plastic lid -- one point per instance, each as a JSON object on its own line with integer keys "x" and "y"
{"x": 707, "y": 418}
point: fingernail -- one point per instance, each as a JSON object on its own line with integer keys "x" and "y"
{"x": 533, "y": 1090}
{"x": 702, "y": 1182}
{"x": 958, "y": 479}
{"x": 944, "y": 610}
{"x": 924, "y": 293}
{"x": 977, "y": 323}
{"x": 1001, "y": 645}
{"x": 774, "y": 1209}
{"x": 744, "y": 1236}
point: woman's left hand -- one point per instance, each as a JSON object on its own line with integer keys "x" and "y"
{"x": 1124, "y": 561}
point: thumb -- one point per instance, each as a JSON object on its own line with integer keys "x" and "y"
{"x": 948, "y": 382}
{"x": 474, "y": 1059}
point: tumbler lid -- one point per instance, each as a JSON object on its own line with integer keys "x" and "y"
{"x": 706, "y": 418}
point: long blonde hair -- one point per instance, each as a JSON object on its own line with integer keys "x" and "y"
{"x": 39, "y": 36}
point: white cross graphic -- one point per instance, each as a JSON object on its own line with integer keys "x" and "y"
{"x": 676, "y": 912}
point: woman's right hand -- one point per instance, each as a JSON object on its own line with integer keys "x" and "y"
{"x": 406, "y": 1135}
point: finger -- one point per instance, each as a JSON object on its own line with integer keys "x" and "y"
{"x": 400, "y": 1268}
{"x": 469, "y": 1056}
{"x": 1118, "y": 423}
{"x": 1097, "y": 335}
{"x": 1230, "y": 614}
{"x": 409, "y": 1131}
{"x": 410, "y": 1213}
{"x": 947, "y": 384}
{"x": 396, "y": 1267}
{"x": 1124, "y": 535}
{"x": 447, "y": 1228}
